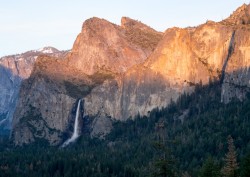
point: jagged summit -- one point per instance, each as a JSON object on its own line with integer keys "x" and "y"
{"x": 121, "y": 71}
{"x": 104, "y": 45}
{"x": 127, "y": 22}
{"x": 96, "y": 24}
{"x": 182, "y": 59}
{"x": 240, "y": 16}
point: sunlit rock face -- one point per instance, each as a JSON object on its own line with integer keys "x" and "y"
{"x": 241, "y": 16}
{"x": 103, "y": 45}
{"x": 101, "y": 51}
{"x": 183, "y": 58}
{"x": 122, "y": 71}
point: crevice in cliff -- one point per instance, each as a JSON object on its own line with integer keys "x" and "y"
{"x": 209, "y": 68}
{"x": 17, "y": 68}
{"x": 213, "y": 73}
{"x": 229, "y": 54}
{"x": 122, "y": 95}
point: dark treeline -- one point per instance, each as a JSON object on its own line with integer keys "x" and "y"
{"x": 196, "y": 136}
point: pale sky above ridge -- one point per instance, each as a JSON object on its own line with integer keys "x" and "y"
{"x": 32, "y": 24}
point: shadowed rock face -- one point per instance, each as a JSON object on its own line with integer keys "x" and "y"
{"x": 237, "y": 75}
{"x": 100, "y": 51}
{"x": 138, "y": 91}
{"x": 109, "y": 70}
{"x": 183, "y": 58}
{"x": 46, "y": 100}
{"x": 14, "y": 69}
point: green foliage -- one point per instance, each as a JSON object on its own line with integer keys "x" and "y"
{"x": 32, "y": 120}
{"x": 143, "y": 38}
{"x": 164, "y": 164}
{"x": 197, "y": 126}
{"x": 231, "y": 165}
{"x": 100, "y": 76}
{"x": 245, "y": 166}
{"x": 77, "y": 91}
{"x": 210, "y": 169}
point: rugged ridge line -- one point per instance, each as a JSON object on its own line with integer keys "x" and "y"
{"x": 183, "y": 58}
{"x": 100, "y": 51}
{"x": 103, "y": 45}
{"x": 119, "y": 76}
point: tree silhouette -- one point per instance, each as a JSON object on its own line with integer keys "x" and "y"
{"x": 209, "y": 169}
{"x": 231, "y": 165}
{"x": 164, "y": 165}
{"x": 245, "y": 166}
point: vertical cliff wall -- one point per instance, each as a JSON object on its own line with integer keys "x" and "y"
{"x": 13, "y": 70}
{"x": 122, "y": 71}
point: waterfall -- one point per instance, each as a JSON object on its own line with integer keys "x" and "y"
{"x": 75, "y": 133}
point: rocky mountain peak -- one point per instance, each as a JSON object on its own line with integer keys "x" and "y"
{"x": 240, "y": 16}
{"x": 127, "y": 22}
{"x": 121, "y": 71}
{"x": 104, "y": 45}
{"x": 95, "y": 27}
{"x": 95, "y": 23}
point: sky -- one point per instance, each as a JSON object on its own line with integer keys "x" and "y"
{"x": 33, "y": 24}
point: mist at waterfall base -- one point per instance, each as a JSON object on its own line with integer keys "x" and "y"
{"x": 75, "y": 133}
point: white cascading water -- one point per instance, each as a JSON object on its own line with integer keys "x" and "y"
{"x": 75, "y": 133}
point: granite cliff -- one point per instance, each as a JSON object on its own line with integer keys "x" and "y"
{"x": 122, "y": 71}
{"x": 13, "y": 70}
{"x": 183, "y": 58}
{"x": 101, "y": 52}
{"x": 102, "y": 45}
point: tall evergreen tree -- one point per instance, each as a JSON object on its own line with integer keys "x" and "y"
{"x": 231, "y": 165}
{"x": 209, "y": 169}
{"x": 164, "y": 165}
{"x": 245, "y": 166}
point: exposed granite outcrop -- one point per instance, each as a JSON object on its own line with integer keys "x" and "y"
{"x": 103, "y": 45}
{"x": 122, "y": 71}
{"x": 183, "y": 58}
{"x": 100, "y": 51}
{"x": 236, "y": 82}
{"x": 14, "y": 69}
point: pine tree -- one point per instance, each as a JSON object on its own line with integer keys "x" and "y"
{"x": 245, "y": 166}
{"x": 231, "y": 165}
{"x": 164, "y": 165}
{"x": 209, "y": 169}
